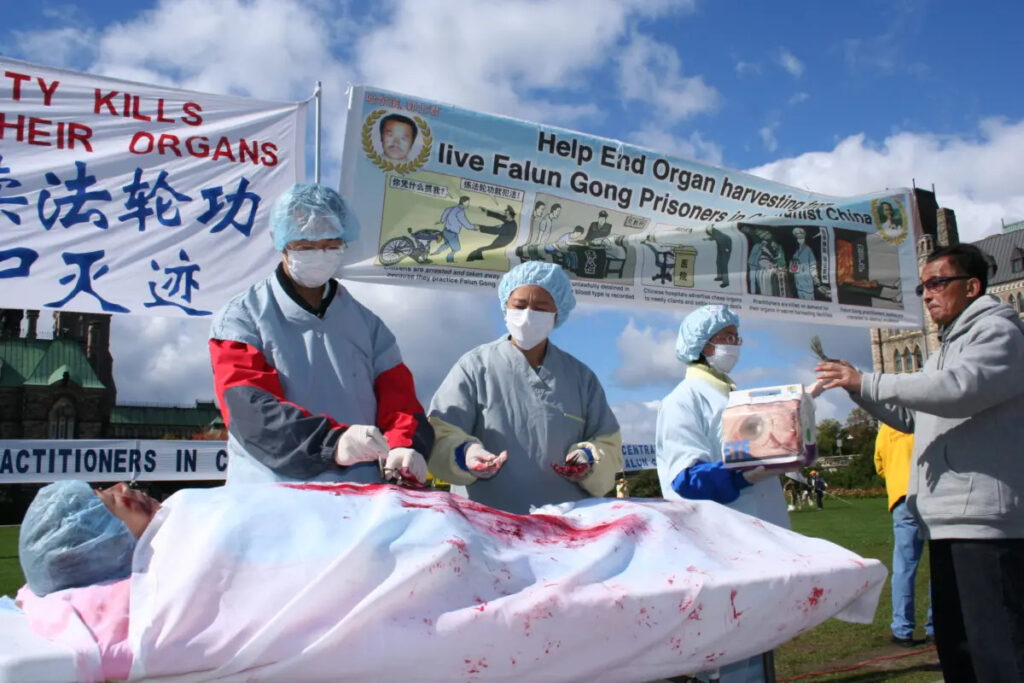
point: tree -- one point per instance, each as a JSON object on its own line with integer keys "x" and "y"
{"x": 643, "y": 484}
{"x": 861, "y": 429}
{"x": 828, "y": 432}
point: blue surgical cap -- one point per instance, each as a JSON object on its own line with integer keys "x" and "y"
{"x": 700, "y": 326}
{"x": 69, "y": 539}
{"x": 545, "y": 275}
{"x": 308, "y": 211}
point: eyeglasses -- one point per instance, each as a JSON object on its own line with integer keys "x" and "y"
{"x": 937, "y": 284}
{"x": 727, "y": 339}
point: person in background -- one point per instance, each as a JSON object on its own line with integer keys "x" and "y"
{"x": 819, "y": 485}
{"x": 966, "y": 487}
{"x": 519, "y": 421}
{"x": 622, "y": 488}
{"x": 311, "y": 383}
{"x": 688, "y": 440}
{"x": 893, "y": 449}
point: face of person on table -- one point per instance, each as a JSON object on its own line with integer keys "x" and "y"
{"x": 132, "y": 507}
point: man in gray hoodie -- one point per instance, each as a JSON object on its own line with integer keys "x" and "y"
{"x": 966, "y": 410}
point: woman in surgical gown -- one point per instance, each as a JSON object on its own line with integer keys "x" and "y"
{"x": 518, "y": 421}
{"x": 688, "y": 441}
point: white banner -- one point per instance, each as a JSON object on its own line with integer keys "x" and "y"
{"x": 638, "y": 456}
{"x": 122, "y": 197}
{"x": 38, "y": 461}
{"x": 450, "y": 199}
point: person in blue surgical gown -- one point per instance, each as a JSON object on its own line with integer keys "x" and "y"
{"x": 688, "y": 440}
{"x": 518, "y": 421}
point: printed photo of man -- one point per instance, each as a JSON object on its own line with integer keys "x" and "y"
{"x": 397, "y": 135}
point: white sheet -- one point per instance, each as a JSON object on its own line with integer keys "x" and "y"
{"x": 364, "y": 583}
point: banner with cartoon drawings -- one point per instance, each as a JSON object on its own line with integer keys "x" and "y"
{"x": 122, "y": 197}
{"x": 448, "y": 198}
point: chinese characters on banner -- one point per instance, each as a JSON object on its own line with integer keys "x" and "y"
{"x": 121, "y": 197}
{"x": 451, "y": 199}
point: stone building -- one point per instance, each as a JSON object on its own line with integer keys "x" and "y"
{"x": 63, "y": 387}
{"x": 894, "y": 350}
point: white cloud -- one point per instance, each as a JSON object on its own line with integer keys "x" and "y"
{"x": 637, "y": 420}
{"x": 788, "y": 61}
{"x": 161, "y": 360}
{"x": 979, "y": 176}
{"x": 692, "y": 147}
{"x": 652, "y": 72}
{"x": 512, "y": 57}
{"x": 647, "y": 357}
{"x": 767, "y": 134}
{"x": 58, "y": 46}
{"x": 798, "y": 97}
{"x": 744, "y": 68}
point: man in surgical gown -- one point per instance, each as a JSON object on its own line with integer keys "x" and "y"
{"x": 688, "y": 440}
{"x": 520, "y": 422}
{"x": 311, "y": 383}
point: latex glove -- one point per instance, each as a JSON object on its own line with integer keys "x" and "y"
{"x": 759, "y": 474}
{"x": 404, "y": 466}
{"x": 578, "y": 465}
{"x": 360, "y": 443}
{"x": 483, "y": 464}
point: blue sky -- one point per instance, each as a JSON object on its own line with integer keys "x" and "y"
{"x": 839, "y": 98}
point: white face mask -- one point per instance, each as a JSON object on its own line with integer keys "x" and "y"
{"x": 724, "y": 358}
{"x": 314, "y": 267}
{"x": 529, "y": 327}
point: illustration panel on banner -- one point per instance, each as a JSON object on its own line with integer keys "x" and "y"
{"x": 692, "y": 258}
{"x": 432, "y": 218}
{"x": 867, "y": 270}
{"x": 788, "y": 261}
{"x": 588, "y": 241}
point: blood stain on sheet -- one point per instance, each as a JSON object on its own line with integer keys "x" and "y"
{"x": 815, "y": 597}
{"x": 676, "y": 643}
{"x": 670, "y": 580}
{"x": 714, "y": 656}
{"x": 695, "y": 614}
{"x": 732, "y": 601}
{"x": 475, "y": 667}
{"x": 540, "y": 529}
{"x": 644, "y": 617}
{"x": 685, "y": 603}
{"x": 460, "y": 545}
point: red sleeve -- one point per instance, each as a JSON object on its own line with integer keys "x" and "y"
{"x": 239, "y": 365}
{"x": 399, "y": 414}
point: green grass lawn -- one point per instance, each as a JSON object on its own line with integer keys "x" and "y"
{"x": 11, "y": 578}
{"x": 863, "y": 526}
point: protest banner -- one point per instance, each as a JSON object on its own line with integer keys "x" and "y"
{"x": 26, "y": 461}
{"x": 121, "y": 197}
{"x": 448, "y": 198}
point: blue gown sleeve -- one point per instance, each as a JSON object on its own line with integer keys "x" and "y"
{"x": 710, "y": 481}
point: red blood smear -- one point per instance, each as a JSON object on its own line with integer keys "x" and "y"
{"x": 571, "y": 470}
{"x": 815, "y": 596}
{"x": 732, "y": 601}
{"x": 539, "y": 529}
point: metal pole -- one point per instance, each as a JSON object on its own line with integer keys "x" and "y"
{"x": 316, "y": 141}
